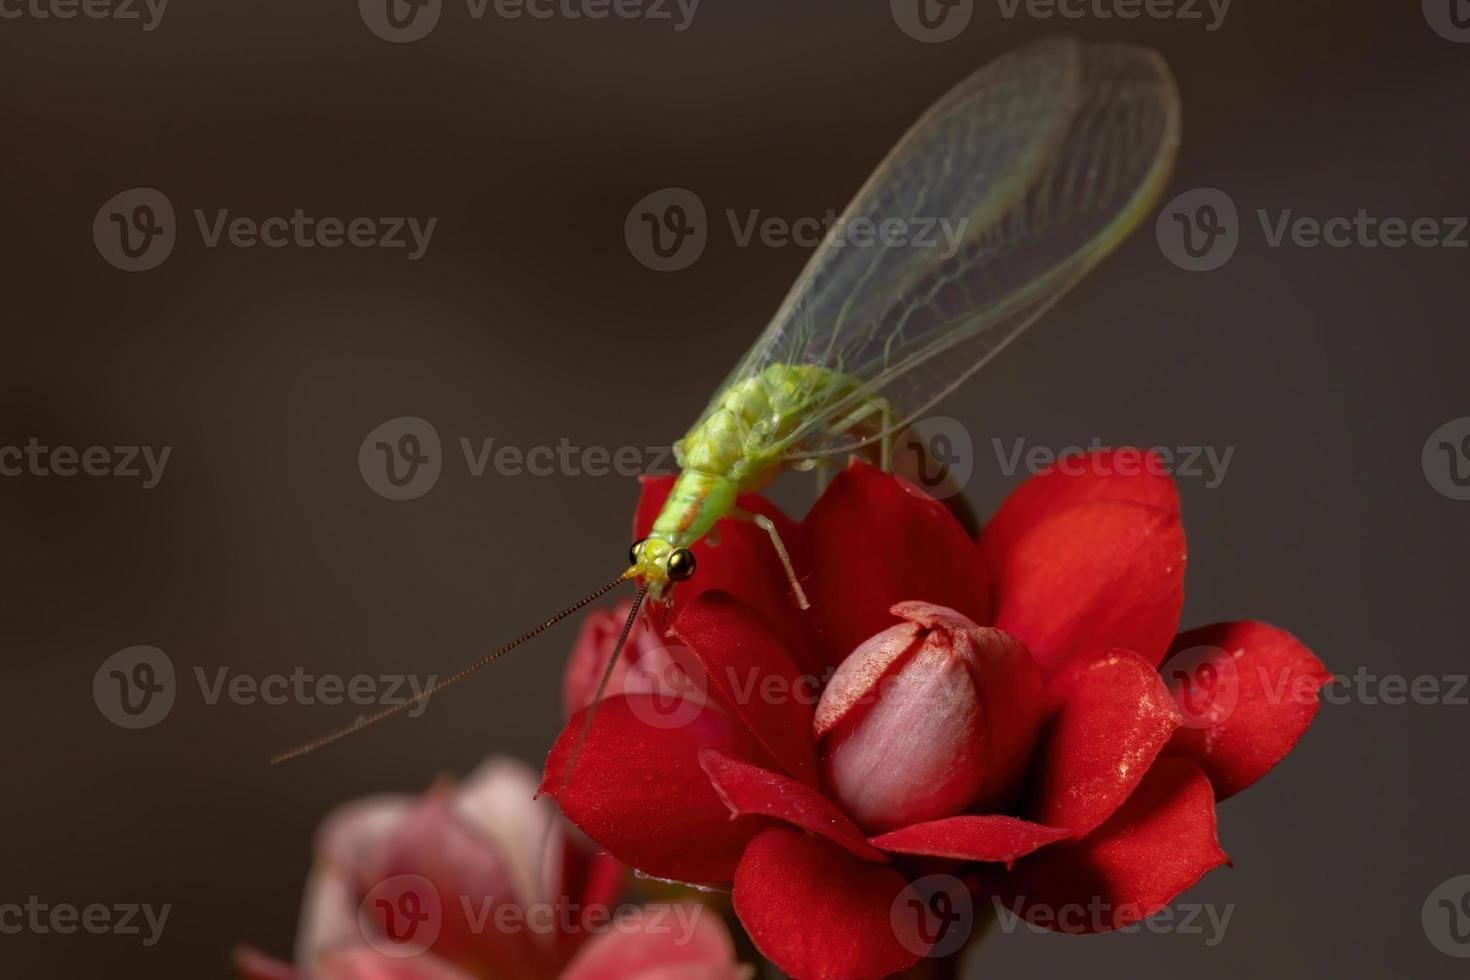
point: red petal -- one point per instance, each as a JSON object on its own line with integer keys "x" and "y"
{"x": 1128, "y": 475}
{"x": 818, "y": 912}
{"x": 737, "y": 557}
{"x": 1095, "y": 576}
{"x": 1248, "y": 691}
{"x": 1158, "y": 844}
{"x": 971, "y": 838}
{"x": 639, "y": 791}
{"x": 594, "y": 644}
{"x": 752, "y": 791}
{"x": 747, "y": 668}
{"x": 683, "y": 940}
{"x": 875, "y": 540}
{"x": 1116, "y": 717}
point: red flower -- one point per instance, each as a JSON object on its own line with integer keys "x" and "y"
{"x": 826, "y": 760}
{"x": 465, "y": 883}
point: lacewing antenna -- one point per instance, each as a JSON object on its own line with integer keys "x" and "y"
{"x": 367, "y": 721}
{"x": 607, "y": 672}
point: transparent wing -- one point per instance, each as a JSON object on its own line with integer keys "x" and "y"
{"x": 1003, "y": 195}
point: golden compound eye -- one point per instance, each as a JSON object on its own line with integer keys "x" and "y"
{"x": 681, "y": 565}
{"x": 636, "y": 552}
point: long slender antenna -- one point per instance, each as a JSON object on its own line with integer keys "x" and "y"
{"x": 607, "y": 672}
{"x": 366, "y": 721}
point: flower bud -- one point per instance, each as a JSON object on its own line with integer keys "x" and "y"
{"x": 932, "y": 717}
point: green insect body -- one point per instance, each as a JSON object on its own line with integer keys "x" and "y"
{"x": 732, "y": 450}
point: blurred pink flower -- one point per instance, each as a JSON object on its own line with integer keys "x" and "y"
{"x": 482, "y": 880}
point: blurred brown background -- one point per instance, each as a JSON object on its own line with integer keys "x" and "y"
{"x": 528, "y": 320}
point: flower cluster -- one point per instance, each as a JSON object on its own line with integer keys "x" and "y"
{"x": 992, "y": 708}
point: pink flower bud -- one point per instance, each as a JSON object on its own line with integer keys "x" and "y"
{"x": 932, "y": 717}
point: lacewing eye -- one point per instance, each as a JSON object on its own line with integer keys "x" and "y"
{"x": 681, "y": 565}
{"x": 636, "y": 551}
